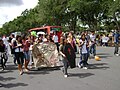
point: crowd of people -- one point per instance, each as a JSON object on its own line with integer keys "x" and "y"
{"x": 20, "y": 48}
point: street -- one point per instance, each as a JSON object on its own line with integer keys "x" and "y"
{"x": 101, "y": 75}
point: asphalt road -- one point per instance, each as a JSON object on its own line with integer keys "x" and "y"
{"x": 101, "y": 75}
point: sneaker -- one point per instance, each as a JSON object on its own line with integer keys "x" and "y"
{"x": 15, "y": 64}
{"x": 117, "y": 54}
{"x": 62, "y": 69}
{"x": 85, "y": 68}
{"x": 21, "y": 72}
{"x": 26, "y": 70}
{"x": 79, "y": 65}
{"x": 2, "y": 69}
{"x": 65, "y": 76}
{"x": 87, "y": 63}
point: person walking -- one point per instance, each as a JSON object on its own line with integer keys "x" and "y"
{"x": 93, "y": 43}
{"x": 70, "y": 53}
{"x": 55, "y": 39}
{"x": 12, "y": 41}
{"x": 3, "y": 54}
{"x": 116, "y": 36}
{"x": 63, "y": 56}
{"x": 26, "y": 46}
{"x": 18, "y": 46}
{"x": 105, "y": 40}
{"x": 84, "y": 52}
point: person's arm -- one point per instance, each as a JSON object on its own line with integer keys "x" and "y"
{"x": 61, "y": 53}
{"x": 81, "y": 43}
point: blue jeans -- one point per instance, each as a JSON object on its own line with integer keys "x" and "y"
{"x": 27, "y": 55}
{"x": 84, "y": 59}
{"x": 65, "y": 66}
{"x": 93, "y": 49}
{"x": 116, "y": 48}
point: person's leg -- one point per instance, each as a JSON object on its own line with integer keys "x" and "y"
{"x": 2, "y": 64}
{"x": 27, "y": 59}
{"x": 21, "y": 58}
{"x": 20, "y": 69}
{"x": 65, "y": 65}
{"x": 80, "y": 64}
{"x": 84, "y": 61}
{"x": 94, "y": 49}
{"x": 18, "y": 55}
{"x": 5, "y": 59}
{"x": 57, "y": 44}
{"x": 106, "y": 44}
{"x": 14, "y": 58}
{"x": 91, "y": 49}
{"x": 88, "y": 55}
{"x": 31, "y": 59}
{"x": 117, "y": 48}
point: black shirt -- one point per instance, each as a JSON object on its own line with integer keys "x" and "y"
{"x": 2, "y": 48}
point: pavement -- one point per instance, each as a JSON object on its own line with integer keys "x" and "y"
{"x": 101, "y": 75}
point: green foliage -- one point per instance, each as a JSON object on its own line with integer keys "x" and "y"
{"x": 70, "y": 14}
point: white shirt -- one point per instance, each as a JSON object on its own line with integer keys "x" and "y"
{"x": 5, "y": 41}
{"x": 55, "y": 38}
{"x": 105, "y": 39}
{"x": 18, "y": 49}
{"x": 13, "y": 40}
{"x": 83, "y": 47}
{"x": 92, "y": 37}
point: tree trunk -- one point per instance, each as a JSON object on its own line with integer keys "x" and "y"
{"x": 114, "y": 16}
{"x": 72, "y": 24}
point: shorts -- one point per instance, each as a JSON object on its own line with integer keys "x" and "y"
{"x": 27, "y": 55}
{"x": 19, "y": 57}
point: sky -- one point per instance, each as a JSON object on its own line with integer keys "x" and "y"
{"x": 10, "y": 9}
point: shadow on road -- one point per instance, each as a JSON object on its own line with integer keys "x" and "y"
{"x": 101, "y": 55}
{"x": 5, "y": 71}
{"x": 98, "y": 66}
{"x": 11, "y": 85}
{"x": 104, "y": 55}
{"x": 37, "y": 72}
{"x": 6, "y": 79}
{"x": 80, "y": 75}
{"x": 45, "y": 70}
{"x": 11, "y": 67}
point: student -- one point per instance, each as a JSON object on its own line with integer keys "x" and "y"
{"x": 13, "y": 39}
{"x": 93, "y": 43}
{"x": 63, "y": 56}
{"x": 116, "y": 36}
{"x": 3, "y": 54}
{"x": 55, "y": 39}
{"x": 84, "y": 52}
{"x": 26, "y": 46}
{"x": 69, "y": 55}
{"x": 19, "y": 53}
